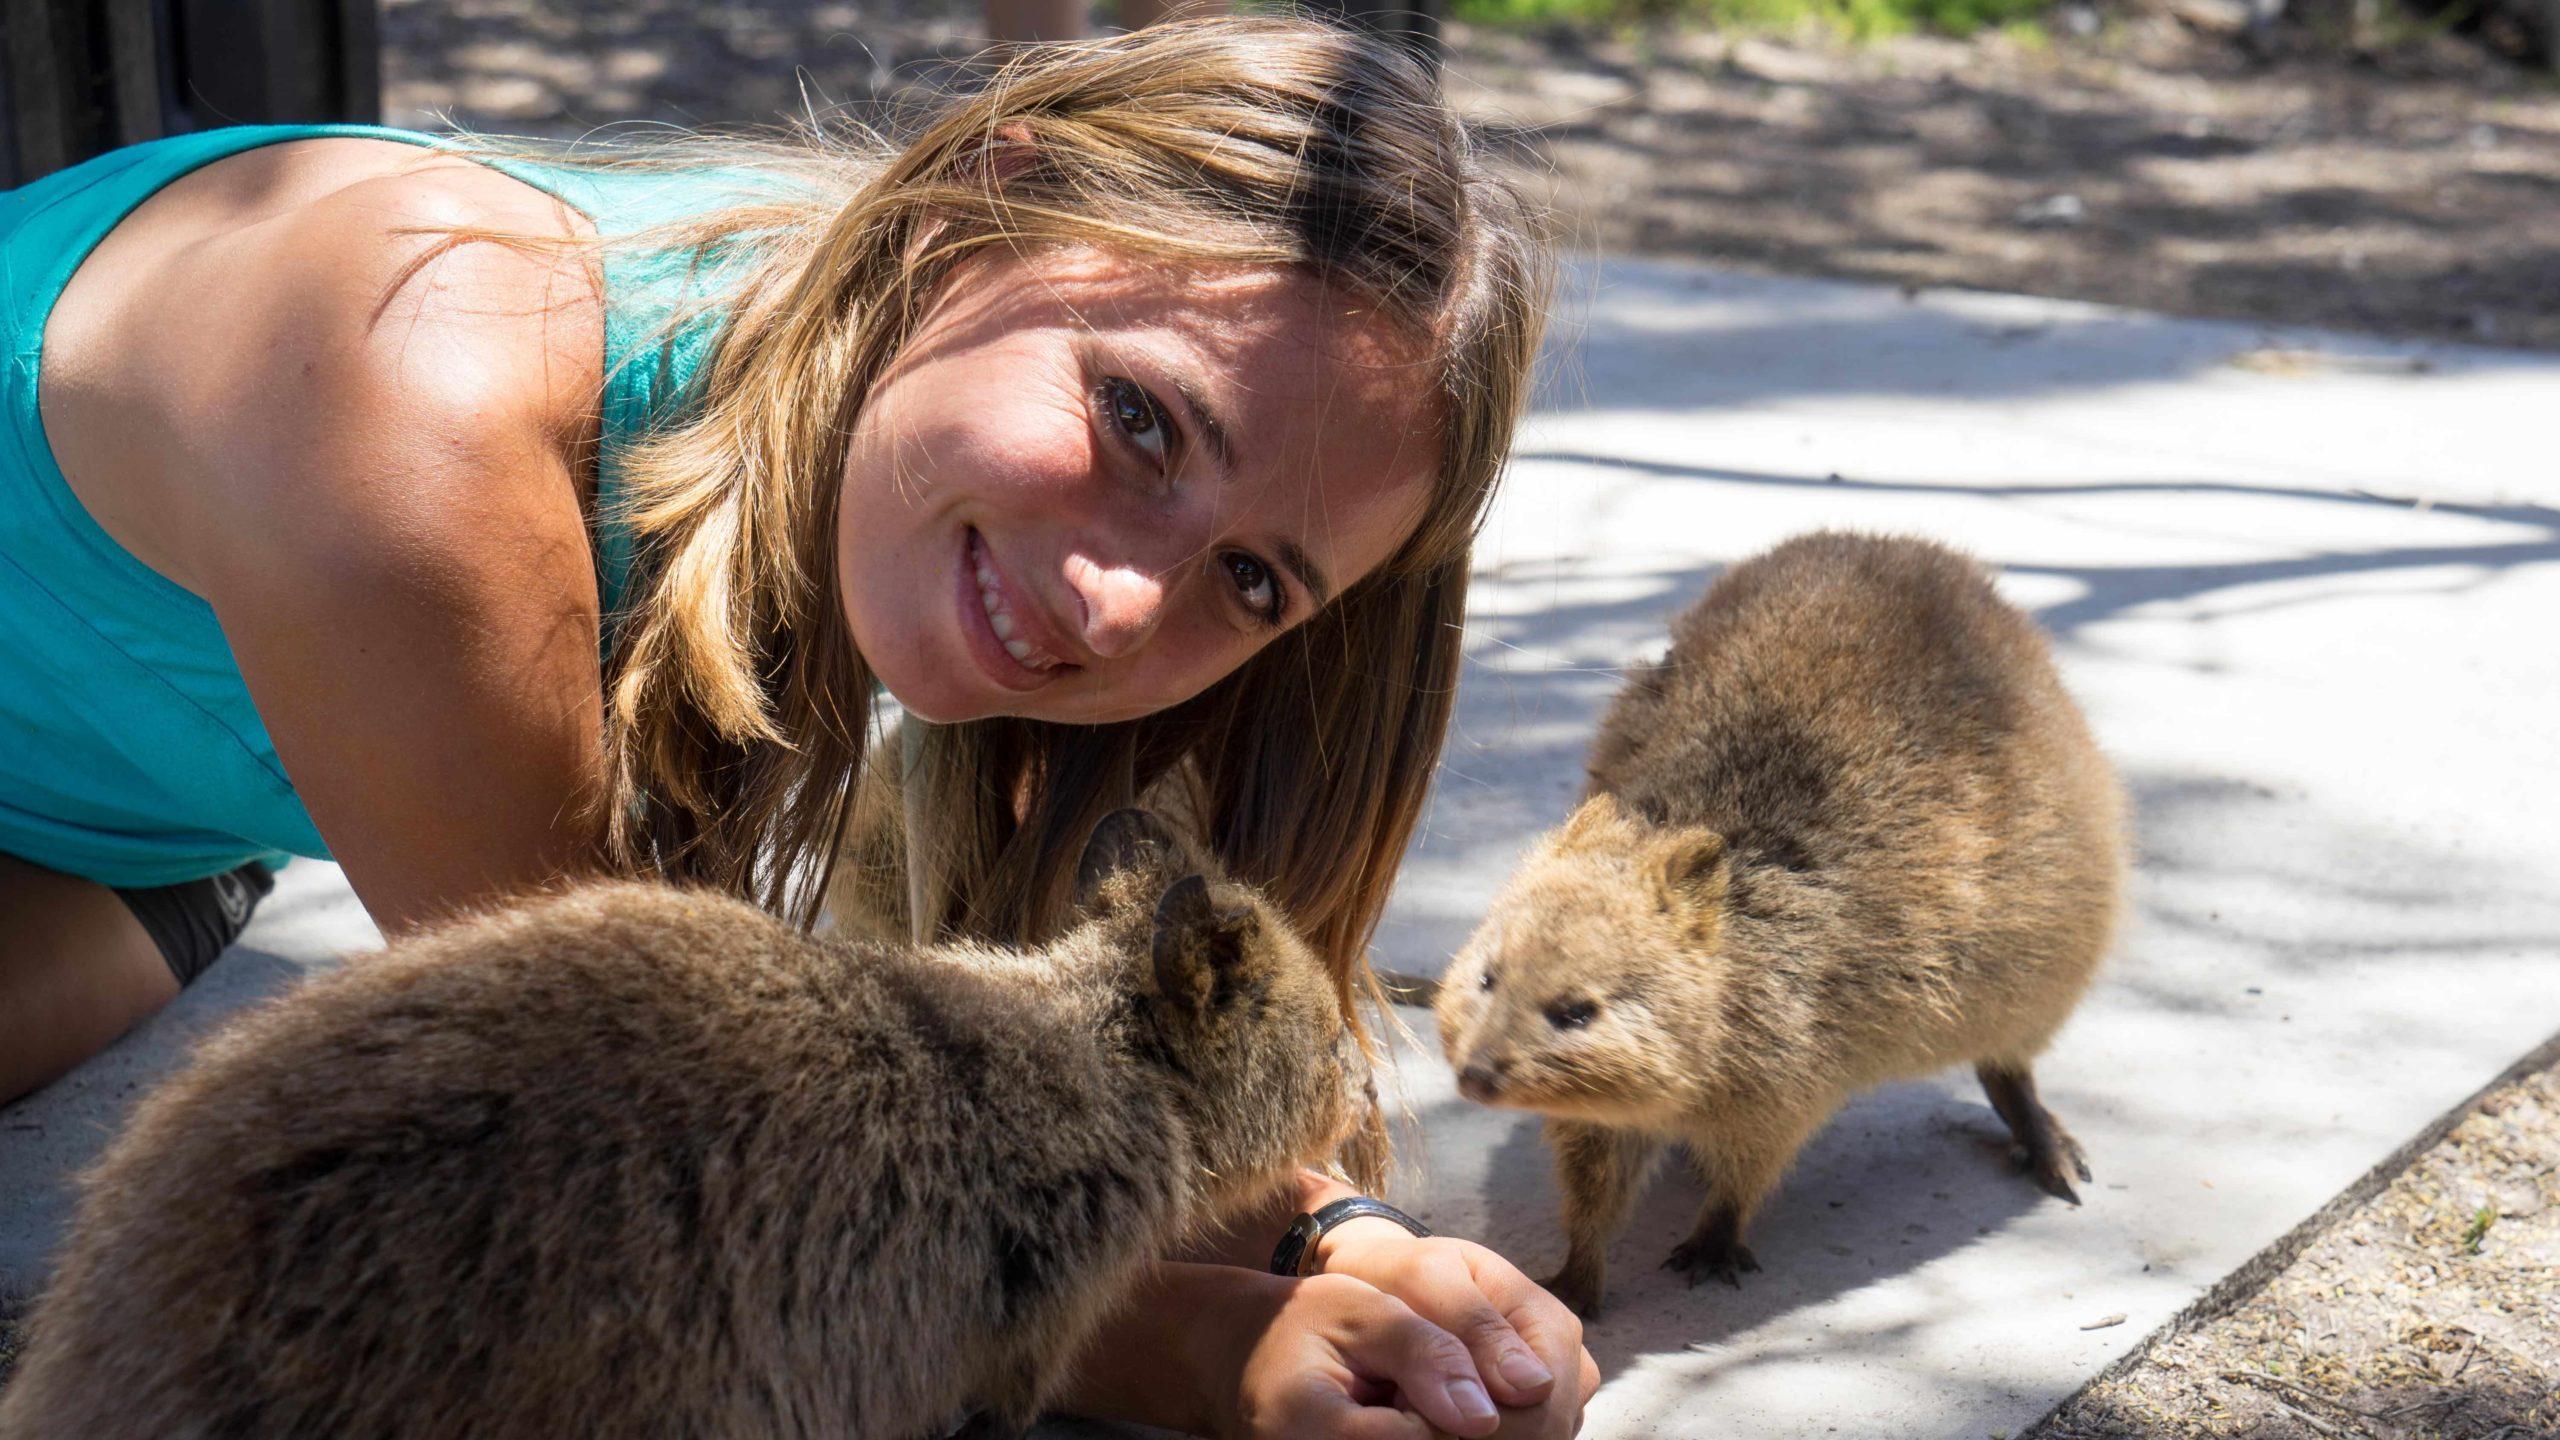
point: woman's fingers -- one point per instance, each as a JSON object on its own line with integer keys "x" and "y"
{"x": 1526, "y": 1345}
{"x": 1540, "y": 1324}
{"x": 1336, "y": 1415}
{"x": 1427, "y": 1365}
{"x": 1449, "y": 1291}
{"x": 1543, "y": 1324}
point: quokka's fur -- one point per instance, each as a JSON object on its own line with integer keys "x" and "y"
{"x": 635, "y": 1162}
{"x": 1850, "y": 829}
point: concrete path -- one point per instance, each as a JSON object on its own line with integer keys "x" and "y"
{"x": 2303, "y": 586}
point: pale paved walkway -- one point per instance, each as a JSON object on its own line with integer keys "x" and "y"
{"x": 2304, "y": 590}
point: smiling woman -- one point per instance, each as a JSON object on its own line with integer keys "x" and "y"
{"x": 479, "y": 514}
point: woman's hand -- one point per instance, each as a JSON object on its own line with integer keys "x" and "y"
{"x": 1334, "y": 1358}
{"x": 1520, "y": 1338}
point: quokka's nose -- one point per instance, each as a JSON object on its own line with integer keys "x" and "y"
{"x": 1481, "y": 1082}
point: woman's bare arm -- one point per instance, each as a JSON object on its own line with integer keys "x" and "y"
{"x": 381, "y": 502}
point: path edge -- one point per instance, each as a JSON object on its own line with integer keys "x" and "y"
{"x": 2259, "y": 1270}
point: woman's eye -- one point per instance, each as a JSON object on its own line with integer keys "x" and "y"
{"x": 1137, "y": 416}
{"x": 1255, "y": 582}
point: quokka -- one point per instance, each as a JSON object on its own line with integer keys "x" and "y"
{"x": 631, "y": 1161}
{"x": 1850, "y": 829}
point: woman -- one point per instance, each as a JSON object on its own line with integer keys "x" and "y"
{"x": 1128, "y": 426}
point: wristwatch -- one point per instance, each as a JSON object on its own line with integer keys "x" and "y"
{"x": 1298, "y": 1246}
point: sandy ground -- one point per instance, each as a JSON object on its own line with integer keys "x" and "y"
{"x": 2415, "y": 191}
{"x": 2429, "y": 1313}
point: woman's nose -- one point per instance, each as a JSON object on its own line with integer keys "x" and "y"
{"x": 1123, "y": 602}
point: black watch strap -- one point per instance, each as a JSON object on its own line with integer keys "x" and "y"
{"x": 1290, "y": 1257}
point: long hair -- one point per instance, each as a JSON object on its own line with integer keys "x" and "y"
{"x": 738, "y": 709}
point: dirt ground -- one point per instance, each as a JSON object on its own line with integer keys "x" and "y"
{"x": 2148, "y": 166}
{"x": 2429, "y": 1313}
{"x": 2413, "y": 191}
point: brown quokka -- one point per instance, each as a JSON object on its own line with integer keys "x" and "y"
{"x": 636, "y": 1162}
{"x": 1849, "y": 830}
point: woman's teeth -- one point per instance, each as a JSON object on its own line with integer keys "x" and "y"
{"x": 1001, "y": 620}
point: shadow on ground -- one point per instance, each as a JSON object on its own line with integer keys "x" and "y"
{"x": 2142, "y": 170}
{"x": 1901, "y": 1179}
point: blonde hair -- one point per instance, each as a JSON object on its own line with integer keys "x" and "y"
{"x": 738, "y": 708}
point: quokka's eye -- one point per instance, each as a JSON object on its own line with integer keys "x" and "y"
{"x": 1485, "y": 981}
{"x": 1571, "y": 1014}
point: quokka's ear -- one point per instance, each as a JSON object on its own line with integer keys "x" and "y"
{"x": 1597, "y": 816}
{"x": 1126, "y": 840}
{"x": 1196, "y": 941}
{"x": 1691, "y": 862}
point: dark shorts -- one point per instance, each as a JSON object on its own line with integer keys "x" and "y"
{"x": 194, "y": 922}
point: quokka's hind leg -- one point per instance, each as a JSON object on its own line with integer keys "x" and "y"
{"x": 1600, "y": 1171}
{"x": 2045, "y": 1150}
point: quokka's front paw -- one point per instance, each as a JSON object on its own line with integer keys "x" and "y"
{"x": 1724, "y": 1260}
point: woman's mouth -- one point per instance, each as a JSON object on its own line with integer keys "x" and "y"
{"x": 999, "y": 636}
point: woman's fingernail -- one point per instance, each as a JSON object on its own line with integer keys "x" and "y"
{"x": 1523, "y": 1370}
{"x": 1471, "y": 1400}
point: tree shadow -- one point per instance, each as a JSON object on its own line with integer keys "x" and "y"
{"x": 2109, "y": 591}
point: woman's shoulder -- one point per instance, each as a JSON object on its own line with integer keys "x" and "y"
{"x": 292, "y": 332}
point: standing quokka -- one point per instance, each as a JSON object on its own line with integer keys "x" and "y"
{"x": 1849, "y": 830}
{"x": 636, "y": 1162}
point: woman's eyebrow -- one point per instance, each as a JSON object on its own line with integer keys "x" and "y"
{"x": 1311, "y": 577}
{"x": 1205, "y": 418}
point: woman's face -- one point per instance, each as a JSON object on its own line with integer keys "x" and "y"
{"x": 1088, "y": 488}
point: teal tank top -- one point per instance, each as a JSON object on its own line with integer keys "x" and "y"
{"x": 130, "y": 752}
